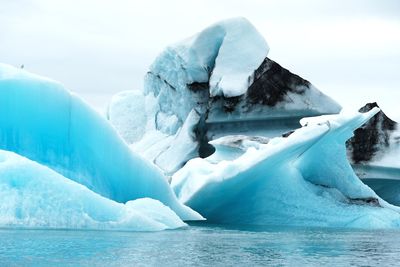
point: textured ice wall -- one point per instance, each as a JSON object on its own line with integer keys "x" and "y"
{"x": 44, "y": 122}
{"x": 303, "y": 179}
{"x": 34, "y": 196}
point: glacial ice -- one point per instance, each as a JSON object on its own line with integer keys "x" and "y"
{"x": 376, "y": 143}
{"x": 246, "y": 135}
{"x": 184, "y": 77}
{"x": 223, "y": 75}
{"x": 182, "y": 148}
{"x": 220, "y": 117}
{"x": 303, "y": 179}
{"x": 225, "y": 53}
{"x": 374, "y": 152}
{"x": 128, "y": 113}
{"x": 34, "y": 196}
{"x": 44, "y": 122}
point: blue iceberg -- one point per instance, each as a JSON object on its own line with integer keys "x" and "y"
{"x": 44, "y": 122}
{"x": 303, "y": 179}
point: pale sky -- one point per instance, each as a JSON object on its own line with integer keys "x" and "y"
{"x": 350, "y": 49}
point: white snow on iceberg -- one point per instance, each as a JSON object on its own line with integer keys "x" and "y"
{"x": 41, "y": 120}
{"x": 225, "y": 53}
{"x": 34, "y": 196}
{"x": 303, "y": 179}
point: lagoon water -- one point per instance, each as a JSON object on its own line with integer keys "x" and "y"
{"x": 201, "y": 244}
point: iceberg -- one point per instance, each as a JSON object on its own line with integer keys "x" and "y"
{"x": 223, "y": 75}
{"x": 34, "y": 196}
{"x": 302, "y": 179}
{"x": 42, "y": 121}
{"x": 374, "y": 153}
{"x": 377, "y": 142}
{"x": 222, "y": 121}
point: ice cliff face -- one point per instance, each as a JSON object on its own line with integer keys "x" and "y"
{"x": 220, "y": 82}
{"x": 303, "y": 179}
{"x": 42, "y": 121}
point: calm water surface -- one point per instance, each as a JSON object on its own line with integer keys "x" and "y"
{"x": 201, "y": 245}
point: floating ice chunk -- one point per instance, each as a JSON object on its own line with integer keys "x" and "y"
{"x": 302, "y": 179}
{"x": 34, "y": 196}
{"x": 44, "y": 122}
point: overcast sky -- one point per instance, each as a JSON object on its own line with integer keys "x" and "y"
{"x": 348, "y": 49}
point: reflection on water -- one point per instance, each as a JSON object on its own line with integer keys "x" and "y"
{"x": 201, "y": 244}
